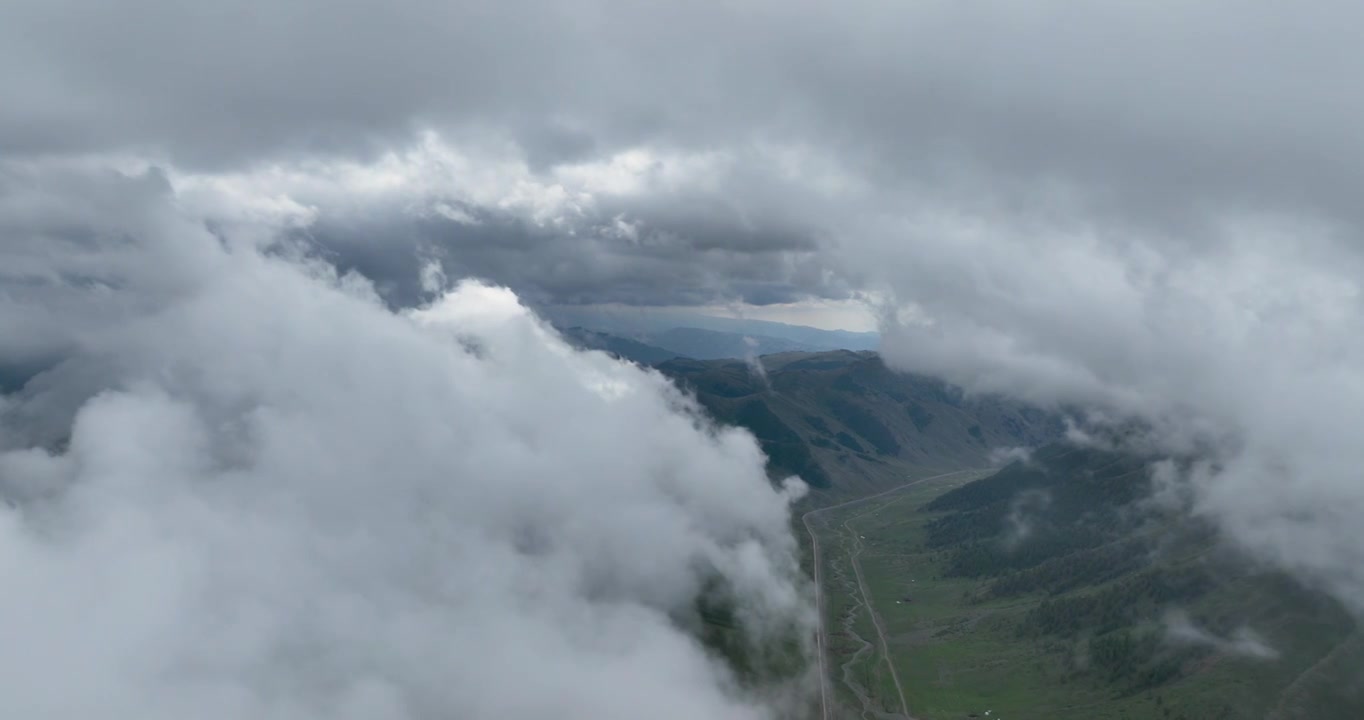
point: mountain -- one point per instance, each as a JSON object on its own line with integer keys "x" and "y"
{"x": 1059, "y": 576}
{"x": 847, "y": 424}
{"x": 636, "y": 323}
{"x": 621, "y": 347}
{"x": 656, "y": 346}
{"x": 715, "y": 345}
{"x": 810, "y": 338}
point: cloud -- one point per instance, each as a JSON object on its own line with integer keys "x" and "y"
{"x": 1146, "y": 209}
{"x": 1239, "y": 344}
{"x": 1245, "y": 642}
{"x": 640, "y": 227}
{"x": 1007, "y": 455}
{"x": 1158, "y": 116}
{"x": 1026, "y": 509}
{"x": 1157, "y": 107}
{"x": 263, "y": 493}
{"x": 755, "y": 362}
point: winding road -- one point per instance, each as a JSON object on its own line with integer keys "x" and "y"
{"x": 821, "y": 636}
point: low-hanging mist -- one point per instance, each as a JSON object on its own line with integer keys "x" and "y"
{"x": 237, "y": 485}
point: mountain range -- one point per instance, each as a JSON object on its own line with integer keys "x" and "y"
{"x": 842, "y": 420}
{"x": 846, "y": 423}
{"x": 648, "y": 348}
{"x": 1056, "y": 569}
{"x": 637, "y": 324}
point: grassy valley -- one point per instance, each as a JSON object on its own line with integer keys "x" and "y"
{"x": 1048, "y": 589}
{"x": 1052, "y": 590}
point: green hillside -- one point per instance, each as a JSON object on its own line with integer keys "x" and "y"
{"x": 1053, "y": 590}
{"x": 848, "y": 425}
{"x": 621, "y": 347}
{"x": 1050, "y": 589}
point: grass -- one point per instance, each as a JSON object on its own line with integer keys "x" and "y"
{"x": 956, "y": 656}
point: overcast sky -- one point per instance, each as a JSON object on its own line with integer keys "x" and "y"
{"x": 600, "y": 151}
{"x": 1147, "y": 209}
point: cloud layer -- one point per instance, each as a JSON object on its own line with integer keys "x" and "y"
{"x": 1143, "y": 208}
{"x": 243, "y": 487}
{"x": 764, "y": 130}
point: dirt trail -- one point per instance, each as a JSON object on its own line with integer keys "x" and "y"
{"x": 871, "y": 611}
{"x": 863, "y": 598}
{"x": 849, "y": 620}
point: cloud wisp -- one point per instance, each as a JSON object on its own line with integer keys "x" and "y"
{"x": 1244, "y": 642}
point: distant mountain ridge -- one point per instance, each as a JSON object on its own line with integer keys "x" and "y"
{"x": 846, "y": 423}
{"x": 621, "y": 347}
{"x": 716, "y": 345}
{"x": 841, "y": 420}
{"x": 649, "y": 348}
{"x": 638, "y": 324}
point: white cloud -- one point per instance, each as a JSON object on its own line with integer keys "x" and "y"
{"x": 1006, "y": 455}
{"x": 280, "y": 499}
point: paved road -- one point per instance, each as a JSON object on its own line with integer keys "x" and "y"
{"x": 821, "y": 636}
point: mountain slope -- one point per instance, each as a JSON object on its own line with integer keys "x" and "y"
{"x": 716, "y": 345}
{"x": 845, "y": 423}
{"x": 1055, "y": 589}
{"x": 621, "y": 347}
{"x": 634, "y": 322}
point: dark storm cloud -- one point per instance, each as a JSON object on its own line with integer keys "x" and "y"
{"x": 1154, "y": 115}
{"x": 673, "y": 262}
{"x": 1158, "y": 104}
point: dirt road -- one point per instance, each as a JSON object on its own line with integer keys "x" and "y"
{"x": 821, "y": 636}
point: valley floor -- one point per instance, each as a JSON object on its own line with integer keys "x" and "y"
{"x": 862, "y": 679}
